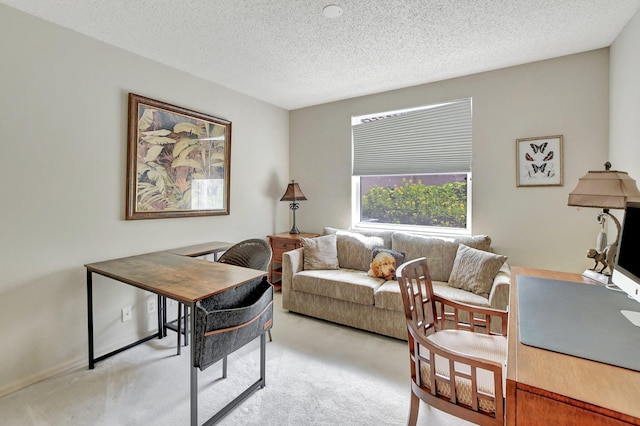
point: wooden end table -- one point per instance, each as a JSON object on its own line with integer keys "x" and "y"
{"x": 281, "y": 243}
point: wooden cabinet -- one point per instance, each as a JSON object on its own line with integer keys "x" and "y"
{"x": 281, "y": 243}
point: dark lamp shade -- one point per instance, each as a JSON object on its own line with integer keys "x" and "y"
{"x": 293, "y": 193}
{"x": 605, "y": 189}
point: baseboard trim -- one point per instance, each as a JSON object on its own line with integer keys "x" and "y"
{"x": 81, "y": 361}
{"x": 42, "y": 375}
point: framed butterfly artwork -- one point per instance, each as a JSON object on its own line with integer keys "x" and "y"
{"x": 539, "y": 161}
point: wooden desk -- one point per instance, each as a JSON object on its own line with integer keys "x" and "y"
{"x": 213, "y": 247}
{"x": 548, "y": 388}
{"x": 176, "y": 276}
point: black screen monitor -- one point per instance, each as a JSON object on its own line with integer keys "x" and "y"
{"x": 626, "y": 272}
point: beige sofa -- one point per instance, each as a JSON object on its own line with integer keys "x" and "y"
{"x": 348, "y": 295}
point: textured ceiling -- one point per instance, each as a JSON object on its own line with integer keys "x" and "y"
{"x": 287, "y": 53}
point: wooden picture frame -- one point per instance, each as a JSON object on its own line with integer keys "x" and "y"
{"x": 539, "y": 161}
{"x": 178, "y": 161}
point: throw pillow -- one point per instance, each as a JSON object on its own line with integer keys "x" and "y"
{"x": 384, "y": 263}
{"x": 474, "y": 270}
{"x": 354, "y": 249}
{"x": 320, "y": 252}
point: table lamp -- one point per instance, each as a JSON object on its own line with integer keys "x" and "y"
{"x": 293, "y": 194}
{"x": 604, "y": 189}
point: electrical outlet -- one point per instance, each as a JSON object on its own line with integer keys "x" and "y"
{"x": 151, "y": 306}
{"x": 126, "y": 313}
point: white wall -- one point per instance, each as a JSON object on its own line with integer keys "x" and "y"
{"x": 624, "y": 118}
{"x": 63, "y": 130}
{"x": 532, "y": 226}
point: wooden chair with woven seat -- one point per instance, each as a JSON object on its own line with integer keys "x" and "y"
{"x": 455, "y": 367}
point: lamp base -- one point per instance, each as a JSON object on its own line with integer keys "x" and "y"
{"x": 294, "y": 230}
{"x": 597, "y": 276}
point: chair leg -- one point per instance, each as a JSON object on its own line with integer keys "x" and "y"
{"x": 413, "y": 412}
{"x": 224, "y": 367}
{"x": 263, "y": 360}
{"x": 270, "y": 339}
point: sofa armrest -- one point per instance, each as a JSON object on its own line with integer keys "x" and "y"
{"x": 499, "y": 295}
{"x": 292, "y": 263}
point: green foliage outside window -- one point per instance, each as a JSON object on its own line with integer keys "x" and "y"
{"x": 417, "y": 204}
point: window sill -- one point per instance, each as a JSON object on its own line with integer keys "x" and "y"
{"x": 419, "y": 230}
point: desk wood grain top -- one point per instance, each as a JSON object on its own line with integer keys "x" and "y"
{"x": 178, "y": 277}
{"x": 201, "y": 249}
{"x": 565, "y": 376}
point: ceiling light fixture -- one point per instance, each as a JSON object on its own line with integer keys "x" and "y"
{"x": 332, "y": 11}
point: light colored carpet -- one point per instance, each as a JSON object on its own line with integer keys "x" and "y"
{"x": 318, "y": 373}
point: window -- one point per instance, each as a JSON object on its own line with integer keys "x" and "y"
{"x": 412, "y": 168}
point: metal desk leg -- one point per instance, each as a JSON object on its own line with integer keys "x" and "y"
{"x": 186, "y": 325}
{"x": 90, "y": 318}
{"x": 179, "y": 326}
{"x": 92, "y": 358}
{"x": 164, "y": 316}
{"x": 160, "y": 308}
{"x": 194, "y": 370}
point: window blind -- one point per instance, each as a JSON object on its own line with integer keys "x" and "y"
{"x": 431, "y": 140}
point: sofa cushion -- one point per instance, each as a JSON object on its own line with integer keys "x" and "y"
{"x": 354, "y": 249}
{"x": 388, "y": 295}
{"x": 493, "y": 348}
{"x": 473, "y": 270}
{"x": 344, "y": 284}
{"x": 385, "y": 235}
{"x": 384, "y": 263}
{"x": 439, "y": 251}
{"x": 320, "y": 252}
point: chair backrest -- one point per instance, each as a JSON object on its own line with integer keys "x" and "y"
{"x": 254, "y": 253}
{"x": 457, "y": 370}
{"x": 417, "y": 295}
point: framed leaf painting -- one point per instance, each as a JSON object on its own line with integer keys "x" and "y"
{"x": 178, "y": 161}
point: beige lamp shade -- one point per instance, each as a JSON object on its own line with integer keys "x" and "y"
{"x": 605, "y": 189}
